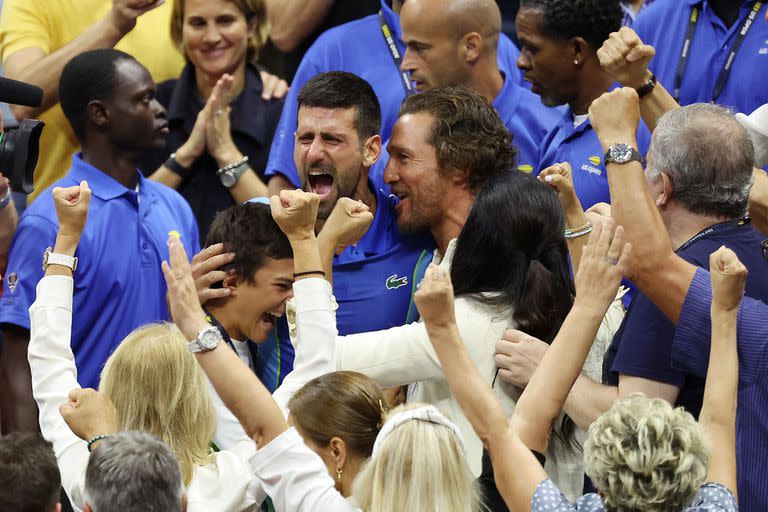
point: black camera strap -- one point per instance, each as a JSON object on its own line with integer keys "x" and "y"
{"x": 397, "y": 59}
{"x": 685, "y": 52}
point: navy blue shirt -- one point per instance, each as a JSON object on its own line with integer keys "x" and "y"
{"x": 253, "y": 123}
{"x": 373, "y": 283}
{"x": 642, "y": 347}
{"x": 580, "y": 147}
{"x": 690, "y": 351}
{"x": 119, "y": 284}
{"x": 663, "y": 25}
{"x": 358, "y": 47}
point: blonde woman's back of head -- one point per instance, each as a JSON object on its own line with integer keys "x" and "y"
{"x": 157, "y": 386}
{"x": 419, "y": 465}
{"x": 644, "y": 455}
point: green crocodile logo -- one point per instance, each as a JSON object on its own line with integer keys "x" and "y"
{"x": 394, "y": 282}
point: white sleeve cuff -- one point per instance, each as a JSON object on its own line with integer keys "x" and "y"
{"x": 54, "y": 291}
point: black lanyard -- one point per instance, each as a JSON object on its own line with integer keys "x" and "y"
{"x": 685, "y": 53}
{"x": 389, "y": 39}
{"x": 743, "y": 222}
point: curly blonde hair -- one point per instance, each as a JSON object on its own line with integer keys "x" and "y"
{"x": 644, "y": 455}
{"x": 255, "y": 12}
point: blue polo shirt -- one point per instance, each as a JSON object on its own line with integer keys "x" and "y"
{"x": 528, "y": 119}
{"x": 119, "y": 284}
{"x": 690, "y": 351}
{"x": 373, "y": 283}
{"x": 642, "y": 347}
{"x": 358, "y": 47}
{"x": 663, "y": 25}
{"x": 580, "y": 147}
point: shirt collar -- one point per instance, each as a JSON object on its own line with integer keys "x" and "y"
{"x": 103, "y": 186}
{"x": 392, "y": 19}
{"x": 507, "y": 100}
{"x": 379, "y": 237}
{"x": 185, "y": 103}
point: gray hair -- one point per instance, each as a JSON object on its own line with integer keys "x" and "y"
{"x": 708, "y": 157}
{"x": 133, "y": 471}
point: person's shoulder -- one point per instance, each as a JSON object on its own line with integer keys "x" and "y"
{"x": 660, "y": 10}
{"x": 344, "y": 35}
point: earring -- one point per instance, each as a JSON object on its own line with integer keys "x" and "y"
{"x": 576, "y": 61}
{"x": 338, "y": 474}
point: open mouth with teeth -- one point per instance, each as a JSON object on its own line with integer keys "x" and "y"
{"x": 269, "y": 318}
{"x": 320, "y": 183}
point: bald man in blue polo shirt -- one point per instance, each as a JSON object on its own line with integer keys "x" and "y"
{"x": 371, "y": 48}
{"x": 108, "y": 97}
{"x": 714, "y": 33}
{"x": 337, "y": 142}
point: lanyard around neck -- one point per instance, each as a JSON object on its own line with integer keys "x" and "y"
{"x": 725, "y": 72}
{"x": 397, "y": 59}
{"x": 742, "y": 222}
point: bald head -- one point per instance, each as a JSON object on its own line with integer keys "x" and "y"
{"x": 447, "y": 41}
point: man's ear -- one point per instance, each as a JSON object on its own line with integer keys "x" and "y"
{"x": 97, "y": 113}
{"x": 580, "y": 50}
{"x": 232, "y": 282}
{"x": 471, "y": 45}
{"x": 667, "y": 192}
{"x": 371, "y": 150}
{"x": 459, "y": 177}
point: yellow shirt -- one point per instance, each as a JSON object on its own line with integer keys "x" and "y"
{"x": 51, "y": 25}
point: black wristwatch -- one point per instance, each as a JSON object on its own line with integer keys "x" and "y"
{"x": 175, "y": 166}
{"x": 645, "y": 89}
{"x": 621, "y": 154}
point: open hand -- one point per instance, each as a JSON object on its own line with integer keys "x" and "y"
{"x": 625, "y": 57}
{"x": 347, "y": 224}
{"x": 72, "y": 208}
{"x": 435, "y": 299}
{"x": 295, "y": 211}
{"x": 218, "y": 128}
{"x": 274, "y": 87}
{"x": 615, "y": 116}
{"x": 602, "y": 266}
{"x": 729, "y": 276}
{"x": 186, "y": 311}
{"x": 89, "y": 413}
{"x": 125, "y": 12}
{"x": 206, "y": 270}
{"x": 517, "y": 356}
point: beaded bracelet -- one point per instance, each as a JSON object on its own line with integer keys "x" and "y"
{"x": 95, "y": 440}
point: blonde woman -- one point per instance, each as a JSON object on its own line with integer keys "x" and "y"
{"x": 294, "y": 476}
{"x": 641, "y": 455}
{"x": 152, "y": 380}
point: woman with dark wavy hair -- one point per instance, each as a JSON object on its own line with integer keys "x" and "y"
{"x": 510, "y": 269}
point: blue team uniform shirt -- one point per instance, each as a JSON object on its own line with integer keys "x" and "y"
{"x": 358, "y": 47}
{"x": 119, "y": 283}
{"x": 373, "y": 283}
{"x": 581, "y": 148}
{"x": 663, "y": 25}
{"x": 642, "y": 347}
{"x": 690, "y": 351}
{"x": 527, "y": 119}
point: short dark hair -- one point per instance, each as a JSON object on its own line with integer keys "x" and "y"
{"x": 87, "y": 77}
{"x": 133, "y": 471}
{"x": 467, "y": 134}
{"x": 339, "y": 89}
{"x": 29, "y": 475}
{"x": 249, "y": 231}
{"x": 592, "y": 20}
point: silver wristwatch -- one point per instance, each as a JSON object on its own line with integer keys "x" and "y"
{"x": 207, "y": 339}
{"x": 621, "y": 154}
{"x": 230, "y": 174}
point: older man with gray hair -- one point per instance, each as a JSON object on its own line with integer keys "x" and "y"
{"x": 699, "y": 171}
{"x": 133, "y": 472}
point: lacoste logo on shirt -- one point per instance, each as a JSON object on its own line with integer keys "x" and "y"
{"x": 393, "y": 282}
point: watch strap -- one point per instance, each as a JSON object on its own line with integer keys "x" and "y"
{"x": 634, "y": 156}
{"x": 51, "y": 258}
{"x": 645, "y": 89}
{"x": 175, "y": 166}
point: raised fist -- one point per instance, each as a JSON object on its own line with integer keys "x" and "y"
{"x": 72, "y": 208}
{"x": 625, "y": 57}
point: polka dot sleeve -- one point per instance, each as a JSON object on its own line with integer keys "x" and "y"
{"x": 548, "y": 498}
{"x": 713, "y": 497}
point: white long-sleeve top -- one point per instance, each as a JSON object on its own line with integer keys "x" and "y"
{"x": 404, "y": 355}
{"x": 226, "y": 484}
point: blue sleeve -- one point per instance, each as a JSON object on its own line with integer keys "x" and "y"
{"x": 507, "y": 57}
{"x": 646, "y": 344}
{"x": 713, "y": 497}
{"x": 281, "y": 153}
{"x": 33, "y": 235}
{"x": 690, "y": 349}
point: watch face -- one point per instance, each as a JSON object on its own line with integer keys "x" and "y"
{"x": 210, "y": 338}
{"x": 228, "y": 179}
{"x": 621, "y": 153}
